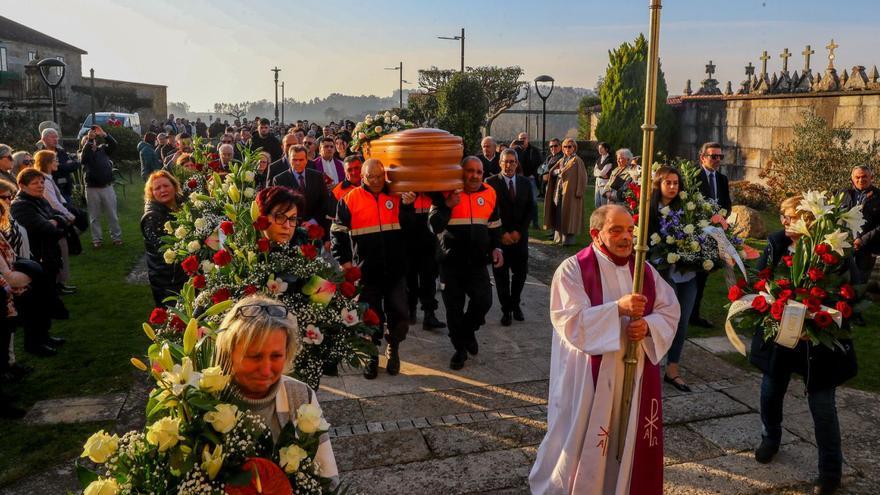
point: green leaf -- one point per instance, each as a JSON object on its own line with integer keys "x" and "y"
{"x": 84, "y": 475}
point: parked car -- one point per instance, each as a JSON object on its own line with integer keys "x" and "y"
{"x": 130, "y": 120}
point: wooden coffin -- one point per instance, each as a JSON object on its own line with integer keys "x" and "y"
{"x": 419, "y": 160}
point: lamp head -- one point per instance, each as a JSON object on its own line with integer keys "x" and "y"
{"x": 52, "y": 71}
{"x": 544, "y": 79}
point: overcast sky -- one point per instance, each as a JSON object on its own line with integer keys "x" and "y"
{"x": 207, "y": 51}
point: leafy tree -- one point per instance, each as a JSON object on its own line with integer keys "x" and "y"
{"x": 126, "y": 141}
{"x": 820, "y": 157}
{"x": 179, "y": 108}
{"x": 424, "y": 108}
{"x": 623, "y": 100}
{"x": 584, "y": 113}
{"x": 462, "y": 106}
{"x": 19, "y": 129}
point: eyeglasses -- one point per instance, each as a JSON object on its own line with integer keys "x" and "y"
{"x": 554, "y": 145}
{"x": 253, "y": 310}
{"x": 568, "y": 146}
{"x": 716, "y": 157}
{"x": 281, "y": 219}
{"x": 225, "y": 142}
{"x": 508, "y": 161}
{"x": 787, "y": 219}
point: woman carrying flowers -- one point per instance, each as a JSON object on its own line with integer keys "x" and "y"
{"x": 823, "y": 367}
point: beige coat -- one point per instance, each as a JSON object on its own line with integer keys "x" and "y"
{"x": 572, "y": 178}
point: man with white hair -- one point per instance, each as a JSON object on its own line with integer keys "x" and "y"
{"x": 49, "y": 140}
{"x": 226, "y": 152}
{"x": 489, "y": 157}
{"x": 867, "y": 243}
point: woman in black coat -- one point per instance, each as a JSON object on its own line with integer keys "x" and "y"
{"x": 162, "y": 197}
{"x": 44, "y": 225}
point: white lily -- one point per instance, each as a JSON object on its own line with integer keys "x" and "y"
{"x": 182, "y": 376}
{"x": 838, "y": 241}
{"x": 799, "y": 227}
{"x": 814, "y": 203}
{"x": 853, "y": 219}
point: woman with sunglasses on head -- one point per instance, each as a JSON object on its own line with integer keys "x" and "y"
{"x": 564, "y": 200}
{"x": 7, "y": 162}
{"x": 162, "y": 197}
{"x": 257, "y": 345}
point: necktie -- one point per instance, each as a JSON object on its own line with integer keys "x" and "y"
{"x": 299, "y": 183}
{"x": 511, "y": 188}
{"x": 714, "y": 187}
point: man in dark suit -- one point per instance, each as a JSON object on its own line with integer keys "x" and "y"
{"x": 310, "y": 183}
{"x": 713, "y": 185}
{"x": 326, "y": 163}
{"x": 282, "y": 164}
{"x": 515, "y": 205}
{"x": 266, "y": 141}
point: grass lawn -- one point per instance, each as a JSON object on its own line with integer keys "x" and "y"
{"x": 867, "y": 338}
{"x": 102, "y": 334}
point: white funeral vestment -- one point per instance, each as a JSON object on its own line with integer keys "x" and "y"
{"x": 579, "y": 452}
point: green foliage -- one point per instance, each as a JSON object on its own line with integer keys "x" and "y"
{"x": 423, "y": 106}
{"x": 584, "y": 115}
{"x": 820, "y": 157}
{"x": 19, "y": 130}
{"x": 462, "y": 108}
{"x": 751, "y": 194}
{"x": 127, "y": 141}
{"x": 623, "y": 100}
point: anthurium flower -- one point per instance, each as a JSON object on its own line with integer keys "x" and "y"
{"x": 313, "y": 335}
{"x": 213, "y": 241}
{"x": 164, "y": 433}
{"x": 320, "y": 290}
{"x": 100, "y": 446}
{"x": 349, "y": 317}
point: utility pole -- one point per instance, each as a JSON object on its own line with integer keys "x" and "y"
{"x": 276, "y": 70}
{"x": 282, "y": 102}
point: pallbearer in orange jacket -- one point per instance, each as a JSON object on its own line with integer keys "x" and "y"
{"x": 368, "y": 232}
{"x": 421, "y": 271}
{"x": 468, "y": 227}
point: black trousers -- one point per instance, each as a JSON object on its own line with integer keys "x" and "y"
{"x": 388, "y": 299}
{"x": 38, "y": 305}
{"x": 459, "y": 283}
{"x": 421, "y": 273}
{"x": 702, "y": 277}
{"x": 511, "y": 277}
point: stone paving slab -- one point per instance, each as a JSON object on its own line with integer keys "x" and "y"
{"x": 749, "y": 392}
{"x": 716, "y": 345}
{"x": 76, "y": 409}
{"x": 449, "y": 441}
{"x": 472, "y": 473}
{"x": 736, "y": 433}
{"x": 697, "y": 406}
{"x": 380, "y": 449}
{"x": 681, "y": 444}
{"x": 343, "y": 412}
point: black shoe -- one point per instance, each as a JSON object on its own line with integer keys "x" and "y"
{"x": 701, "y": 322}
{"x": 56, "y": 341}
{"x": 42, "y": 350}
{"x": 430, "y": 322}
{"x": 825, "y": 486}
{"x": 65, "y": 289}
{"x": 674, "y": 381}
{"x": 458, "y": 359}
{"x": 765, "y": 452}
{"x": 393, "y": 355}
{"x": 506, "y": 319}
{"x": 331, "y": 369}
{"x": 518, "y": 314}
{"x": 472, "y": 347}
{"x": 413, "y": 315}
{"x": 372, "y": 369}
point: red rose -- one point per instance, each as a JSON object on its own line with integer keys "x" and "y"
{"x": 787, "y": 260}
{"x": 227, "y": 227}
{"x": 263, "y": 244}
{"x": 783, "y": 283}
{"x": 801, "y": 291}
{"x": 760, "y": 303}
{"x": 765, "y": 274}
{"x": 760, "y": 285}
{"x": 215, "y": 166}
{"x": 347, "y": 289}
{"x": 222, "y": 258}
{"x": 190, "y": 264}
{"x": 635, "y": 218}
{"x": 823, "y": 319}
{"x": 734, "y": 293}
{"x": 829, "y": 259}
{"x": 818, "y": 292}
{"x": 249, "y": 289}
{"x": 309, "y": 251}
{"x": 785, "y": 295}
{"x": 741, "y": 283}
{"x": 262, "y": 222}
{"x": 192, "y": 183}
{"x": 815, "y": 274}
{"x": 315, "y": 231}
{"x": 220, "y": 296}
{"x": 199, "y": 282}
{"x": 371, "y": 318}
{"x": 822, "y": 249}
{"x": 844, "y": 309}
{"x": 158, "y": 316}
{"x": 777, "y": 308}
{"x": 177, "y": 324}
{"x": 200, "y": 167}
{"x": 213, "y": 156}
{"x": 353, "y": 274}
{"x": 813, "y": 303}
{"x": 847, "y": 292}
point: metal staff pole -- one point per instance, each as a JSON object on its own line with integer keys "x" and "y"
{"x": 631, "y": 358}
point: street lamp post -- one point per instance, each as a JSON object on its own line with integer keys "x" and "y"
{"x": 92, "y": 93}
{"x": 276, "y": 70}
{"x": 282, "y": 102}
{"x": 399, "y": 68}
{"x": 52, "y": 71}
{"x": 544, "y": 79}
{"x": 456, "y": 38}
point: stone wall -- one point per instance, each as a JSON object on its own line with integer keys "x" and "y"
{"x": 157, "y": 94}
{"x": 750, "y": 126}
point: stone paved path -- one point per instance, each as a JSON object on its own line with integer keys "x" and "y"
{"x": 432, "y": 430}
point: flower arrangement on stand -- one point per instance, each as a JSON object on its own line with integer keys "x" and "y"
{"x": 812, "y": 299}
{"x": 197, "y": 441}
{"x": 217, "y": 238}
{"x": 697, "y": 236}
{"x": 376, "y": 126}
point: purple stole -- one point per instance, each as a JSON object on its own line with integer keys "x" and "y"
{"x": 647, "y": 465}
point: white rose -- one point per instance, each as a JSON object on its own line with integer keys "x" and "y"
{"x": 193, "y": 246}
{"x": 401, "y": 122}
{"x": 665, "y": 211}
{"x": 683, "y": 195}
{"x": 707, "y": 206}
{"x": 394, "y": 129}
{"x": 672, "y": 258}
{"x": 249, "y": 193}
{"x": 723, "y": 212}
{"x": 213, "y": 380}
{"x": 310, "y": 418}
{"x": 395, "y": 118}
{"x": 707, "y": 265}
{"x": 655, "y": 239}
{"x": 290, "y": 457}
{"x": 688, "y": 229}
{"x": 168, "y": 227}
{"x": 207, "y": 266}
{"x": 100, "y": 446}
{"x": 200, "y": 223}
{"x": 249, "y": 176}
{"x": 690, "y": 205}
{"x": 378, "y": 116}
{"x": 169, "y": 256}
{"x": 387, "y": 115}
{"x": 704, "y": 224}
{"x": 223, "y": 418}
{"x": 164, "y": 433}
{"x": 181, "y": 232}
{"x": 670, "y": 239}
{"x": 102, "y": 486}
{"x": 368, "y": 120}
{"x": 358, "y": 126}
{"x": 695, "y": 246}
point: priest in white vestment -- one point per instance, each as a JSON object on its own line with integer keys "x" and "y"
{"x": 594, "y": 314}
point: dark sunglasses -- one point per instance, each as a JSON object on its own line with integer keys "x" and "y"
{"x": 716, "y": 157}
{"x": 253, "y": 310}
{"x": 554, "y": 145}
{"x": 567, "y": 146}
